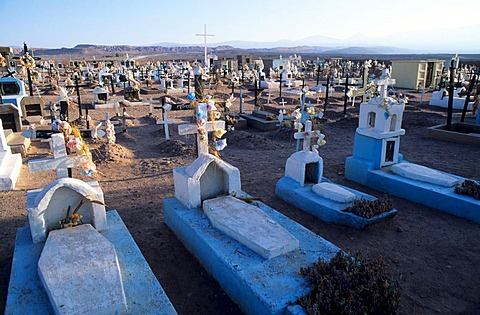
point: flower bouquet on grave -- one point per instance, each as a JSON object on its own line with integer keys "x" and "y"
{"x": 75, "y": 218}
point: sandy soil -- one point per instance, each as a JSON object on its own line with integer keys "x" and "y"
{"x": 435, "y": 256}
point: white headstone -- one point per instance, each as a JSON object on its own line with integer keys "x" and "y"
{"x": 80, "y": 271}
{"x": 10, "y": 164}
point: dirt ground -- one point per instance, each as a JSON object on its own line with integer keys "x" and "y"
{"x": 434, "y": 255}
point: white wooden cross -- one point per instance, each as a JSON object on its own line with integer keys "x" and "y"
{"x": 165, "y": 123}
{"x": 283, "y": 103}
{"x": 306, "y": 135}
{"x": 60, "y": 161}
{"x": 201, "y": 131}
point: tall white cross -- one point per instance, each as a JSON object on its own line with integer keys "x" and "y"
{"x": 205, "y": 40}
{"x": 201, "y": 130}
{"x": 306, "y": 135}
{"x": 60, "y": 161}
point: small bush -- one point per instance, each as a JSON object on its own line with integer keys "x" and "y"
{"x": 350, "y": 285}
{"x": 468, "y": 188}
{"x": 368, "y": 208}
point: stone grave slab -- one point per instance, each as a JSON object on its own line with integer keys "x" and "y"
{"x": 17, "y": 142}
{"x": 333, "y": 192}
{"x": 250, "y": 226}
{"x": 81, "y": 249}
{"x": 423, "y": 174}
{"x": 143, "y": 292}
{"x": 256, "y": 284}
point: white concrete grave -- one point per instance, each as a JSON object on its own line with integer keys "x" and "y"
{"x": 250, "y": 226}
{"x": 80, "y": 271}
{"x": 333, "y": 192}
{"x": 306, "y": 165}
{"x": 47, "y": 206}
{"x": 424, "y": 174}
{"x": 10, "y": 164}
{"x": 60, "y": 161}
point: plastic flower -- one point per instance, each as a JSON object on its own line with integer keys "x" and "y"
{"x": 201, "y": 122}
{"x": 217, "y": 115}
{"x": 219, "y": 133}
{"x": 311, "y": 110}
{"x": 298, "y": 125}
{"x": 296, "y": 114}
{"x": 220, "y": 144}
{"x": 191, "y": 96}
{"x": 74, "y": 143}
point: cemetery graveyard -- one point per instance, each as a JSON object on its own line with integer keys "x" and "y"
{"x": 435, "y": 255}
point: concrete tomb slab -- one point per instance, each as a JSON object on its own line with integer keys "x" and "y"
{"x": 423, "y": 174}
{"x": 333, "y": 192}
{"x": 11, "y": 117}
{"x": 80, "y": 272}
{"x": 250, "y": 226}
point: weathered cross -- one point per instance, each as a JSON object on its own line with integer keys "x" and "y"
{"x": 280, "y": 83}
{"x": 306, "y": 135}
{"x": 201, "y": 128}
{"x": 60, "y": 161}
{"x": 77, "y": 89}
{"x": 257, "y": 90}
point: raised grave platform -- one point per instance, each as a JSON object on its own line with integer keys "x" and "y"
{"x": 258, "y": 119}
{"x": 461, "y": 133}
{"x": 17, "y": 142}
{"x": 313, "y": 199}
{"x": 257, "y": 285}
{"x": 143, "y": 293}
{"x": 419, "y": 188}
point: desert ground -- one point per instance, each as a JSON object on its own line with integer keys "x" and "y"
{"x": 434, "y": 255}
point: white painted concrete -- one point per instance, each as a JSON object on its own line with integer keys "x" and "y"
{"x": 80, "y": 271}
{"x": 423, "y": 174}
{"x": 333, "y": 192}
{"x": 250, "y": 226}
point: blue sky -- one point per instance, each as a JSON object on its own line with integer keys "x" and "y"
{"x": 57, "y": 23}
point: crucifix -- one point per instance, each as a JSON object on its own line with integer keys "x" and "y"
{"x": 201, "y": 128}
{"x": 327, "y": 87}
{"x": 77, "y": 89}
{"x": 257, "y": 90}
{"x": 205, "y": 41}
{"x": 345, "y": 95}
{"x": 60, "y": 162}
{"x": 306, "y": 135}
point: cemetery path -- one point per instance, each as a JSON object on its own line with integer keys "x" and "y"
{"x": 435, "y": 256}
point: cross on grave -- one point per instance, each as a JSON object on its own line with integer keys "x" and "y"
{"x": 60, "y": 161}
{"x": 282, "y": 102}
{"x": 201, "y": 128}
{"x": 165, "y": 120}
{"x": 306, "y": 135}
{"x": 280, "y": 83}
{"x": 327, "y": 87}
{"x": 257, "y": 90}
{"x": 77, "y": 89}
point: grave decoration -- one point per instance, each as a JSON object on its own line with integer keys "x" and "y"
{"x": 253, "y": 251}
{"x": 10, "y": 163}
{"x": 305, "y": 187}
{"x": 377, "y": 163}
{"x": 75, "y": 257}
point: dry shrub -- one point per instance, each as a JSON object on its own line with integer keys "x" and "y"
{"x": 350, "y": 285}
{"x": 468, "y": 188}
{"x": 369, "y": 208}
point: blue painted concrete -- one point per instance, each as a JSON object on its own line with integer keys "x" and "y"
{"x": 324, "y": 209}
{"x": 257, "y": 285}
{"x": 14, "y": 98}
{"x": 144, "y": 294}
{"x": 362, "y": 169}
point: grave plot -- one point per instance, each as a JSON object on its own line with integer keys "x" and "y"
{"x": 304, "y": 187}
{"x": 77, "y": 258}
{"x": 253, "y": 251}
{"x": 377, "y": 163}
